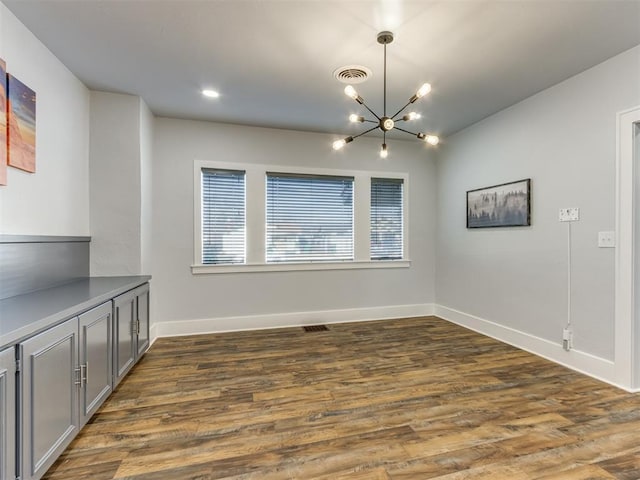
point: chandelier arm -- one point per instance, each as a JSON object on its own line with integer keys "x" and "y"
{"x": 405, "y": 131}
{"x": 365, "y": 132}
{"x": 400, "y": 111}
{"x": 371, "y": 121}
{"x": 372, "y": 112}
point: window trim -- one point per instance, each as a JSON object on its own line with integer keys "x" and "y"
{"x": 294, "y": 267}
{"x": 256, "y": 211}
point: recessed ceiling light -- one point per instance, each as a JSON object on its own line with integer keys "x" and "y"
{"x": 210, "y": 93}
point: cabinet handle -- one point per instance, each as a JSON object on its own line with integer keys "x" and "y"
{"x": 82, "y": 375}
{"x": 138, "y": 327}
{"x": 85, "y": 379}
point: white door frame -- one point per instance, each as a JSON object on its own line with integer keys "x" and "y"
{"x": 625, "y": 334}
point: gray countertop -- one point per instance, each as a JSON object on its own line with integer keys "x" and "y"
{"x": 25, "y": 315}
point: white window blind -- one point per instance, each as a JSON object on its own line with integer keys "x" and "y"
{"x": 309, "y": 218}
{"x": 386, "y": 219}
{"x": 223, "y": 216}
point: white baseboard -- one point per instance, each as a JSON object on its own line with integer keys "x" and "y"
{"x": 153, "y": 333}
{"x": 281, "y": 320}
{"x": 591, "y": 365}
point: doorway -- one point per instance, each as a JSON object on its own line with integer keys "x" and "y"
{"x": 636, "y": 251}
{"x": 627, "y": 301}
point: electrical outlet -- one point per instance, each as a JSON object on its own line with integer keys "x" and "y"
{"x": 606, "y": 239}
{"x": 569, "y": 214}
{"x": 567, "y": 339}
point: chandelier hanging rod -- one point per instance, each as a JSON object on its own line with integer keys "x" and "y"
{"x": 386, "y": 123}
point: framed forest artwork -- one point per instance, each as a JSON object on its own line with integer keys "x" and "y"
{"x": 505, "y": 205}
{"x": 22, "y": 125}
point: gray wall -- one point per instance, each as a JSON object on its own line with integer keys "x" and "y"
{"x": 146, "y": 185}
{"x": 55, "y": 199}
{"x": 120, "y": 191}
{"x": 179, "y": 295}
{"x": 564, "y": 139}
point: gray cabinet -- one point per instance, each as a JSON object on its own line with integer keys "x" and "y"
{"x": 142, "y": 312}
{"x": 7, "y": 414}
{"x": 131, "y": 330}
{"x": 67, "y": 374}
{"x": 50, "y": 382}
{"x": 96, "y": 365}
{"x": 125, "y": 327}
{"x": 61, "y": 353}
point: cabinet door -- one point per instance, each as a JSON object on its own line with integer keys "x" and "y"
{"x": 96, "y": 365}
{"x": 7, "y": 414}
{"x": 125, "y": 330}
{"x": 50, "y": 396}
{"x": 142, "y": 304}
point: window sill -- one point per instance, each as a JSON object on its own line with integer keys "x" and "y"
{"x": 292, "y": 267}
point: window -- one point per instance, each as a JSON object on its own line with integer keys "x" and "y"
{"x": 223, "y": 216}
{"x": 309, "y": 218}
{"x": 386, "y": 219}
{"x": 268, "y": 218}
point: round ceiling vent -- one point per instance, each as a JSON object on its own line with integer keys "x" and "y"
{"x": 352, "y": 74}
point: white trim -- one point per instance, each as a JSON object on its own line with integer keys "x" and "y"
{"x": 405, "y": 217}
{"x": 255, "y": 217}
{"x": 585, "y": 363}
{"x": 282, "y": 320}
{"x": 153, "y": 334}
{"x": 290, "y": 267}
{"x": 624, "y": 255}
{"x": 362, "y": 217}
{"x": 197, "y": 211}
{"x": 591, "y": 365}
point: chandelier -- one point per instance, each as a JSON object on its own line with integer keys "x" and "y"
{"x": 384, "y": 122}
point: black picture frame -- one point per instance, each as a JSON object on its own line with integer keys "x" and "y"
{"x": 503, "y": 205}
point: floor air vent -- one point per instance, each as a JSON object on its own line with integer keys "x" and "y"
{"x": 315, "y": 328}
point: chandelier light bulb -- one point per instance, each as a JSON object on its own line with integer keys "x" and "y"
{"x": 384, "y": 153}
{"x": 353, "y": 118}
{"x": 411, "y": 116}
{"x": 349, "y": 91}
{"x": 423, "y": 90}
{"x": 338, "y": 144}
{"x": 432, "y": 139}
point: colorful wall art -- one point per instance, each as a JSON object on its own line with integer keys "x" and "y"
{"x": 22, "y": 125}
{"x": 3, "y": 123}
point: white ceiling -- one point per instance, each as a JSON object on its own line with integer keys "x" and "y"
{"x": 273, "y": 61}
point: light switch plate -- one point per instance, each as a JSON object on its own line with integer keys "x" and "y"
{"x": 569, "y": 214}
{"x": 606, "y": 239}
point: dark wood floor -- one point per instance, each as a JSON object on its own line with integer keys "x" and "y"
{"x": 402, "y": 399}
